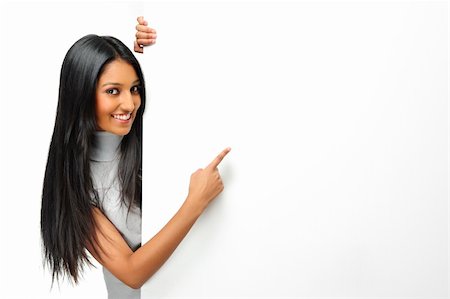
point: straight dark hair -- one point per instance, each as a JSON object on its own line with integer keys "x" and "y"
{"x": 68, "y": 196}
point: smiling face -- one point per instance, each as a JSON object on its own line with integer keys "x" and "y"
{"x": 117, "y": 98}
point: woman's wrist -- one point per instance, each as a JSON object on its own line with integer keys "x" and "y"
{"x": 193, "y": 206}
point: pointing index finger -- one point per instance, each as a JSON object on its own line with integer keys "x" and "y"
{"x": 219, "y": 158}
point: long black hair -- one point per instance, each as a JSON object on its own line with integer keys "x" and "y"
{"x": 68, "y": 196}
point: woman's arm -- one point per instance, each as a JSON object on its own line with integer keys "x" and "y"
{"x": 135, "y": 268}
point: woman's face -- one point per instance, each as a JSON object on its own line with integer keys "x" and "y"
{"x": 117, "y": 98}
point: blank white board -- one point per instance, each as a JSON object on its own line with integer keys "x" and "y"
{"x": 337, "y": 116}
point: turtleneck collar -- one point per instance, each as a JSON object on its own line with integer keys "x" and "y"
{"x": 105, "y": 146}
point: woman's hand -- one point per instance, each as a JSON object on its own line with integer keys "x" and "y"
{"x": 145, "y": 36}
{"x": 206, "y": 183}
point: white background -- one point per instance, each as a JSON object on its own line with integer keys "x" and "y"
{"x": 35, "y": 37}
{"x": 337, "y": 115}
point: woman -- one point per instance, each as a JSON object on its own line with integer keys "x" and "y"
{"x": 91, "y": 196}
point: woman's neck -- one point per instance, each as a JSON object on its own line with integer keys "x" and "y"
{"x": 105, "y": 146}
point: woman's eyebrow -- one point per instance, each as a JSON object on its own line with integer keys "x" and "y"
{"x": 116, "y": 83}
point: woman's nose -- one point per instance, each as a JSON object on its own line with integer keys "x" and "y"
{"x": 127, "y": 103}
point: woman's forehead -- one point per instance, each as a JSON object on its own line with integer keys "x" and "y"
{"x": 119, "y": 71}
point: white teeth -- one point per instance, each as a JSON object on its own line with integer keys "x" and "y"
{"x": 122, "y": 116}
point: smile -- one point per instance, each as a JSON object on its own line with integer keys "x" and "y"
{"x": 122, "y": 116}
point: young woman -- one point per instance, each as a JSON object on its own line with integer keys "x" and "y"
{"x": 91, "y": 198}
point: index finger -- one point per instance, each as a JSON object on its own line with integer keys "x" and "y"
{"x": 218, "y": 159}
{"x": 144, "y": 28}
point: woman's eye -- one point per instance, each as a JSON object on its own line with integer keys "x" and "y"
{"x": 112, "y": 91}
{"x": 135, "y": 89}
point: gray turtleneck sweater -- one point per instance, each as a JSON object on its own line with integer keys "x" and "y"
{"x": 105, "y": 156}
